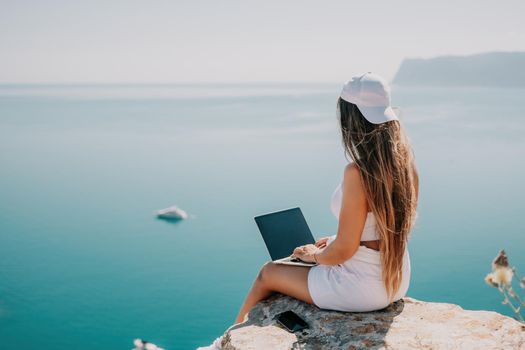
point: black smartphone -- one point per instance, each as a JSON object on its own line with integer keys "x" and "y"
{"x": 291, "y": 321}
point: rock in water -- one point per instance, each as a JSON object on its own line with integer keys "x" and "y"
{"x": 141, "y": 344}
{"x": 406, "y": 324}
{"x": 172, "y": 213}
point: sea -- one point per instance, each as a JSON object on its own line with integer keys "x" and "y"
{"x": 86, "y": 264}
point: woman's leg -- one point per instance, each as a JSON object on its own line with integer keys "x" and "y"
{"x": 286, "y": 279}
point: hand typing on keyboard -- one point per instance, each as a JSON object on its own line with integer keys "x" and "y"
{"x": 305, "y": 253}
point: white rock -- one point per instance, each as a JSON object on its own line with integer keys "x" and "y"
{"x": 145, "y": 345}
{"x": 172, "y": 212}
{"x": 408, "y": 324}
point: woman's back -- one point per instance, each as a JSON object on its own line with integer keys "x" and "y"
{"x": 355, "y": 284}
{"x": 370, "y": 230}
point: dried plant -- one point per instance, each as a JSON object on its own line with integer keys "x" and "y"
{"x": 501, "y": 278}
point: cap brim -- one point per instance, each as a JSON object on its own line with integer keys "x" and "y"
{"x": 378, "y": 115}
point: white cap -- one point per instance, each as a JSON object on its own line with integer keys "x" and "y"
{"x": 371, "y": 94}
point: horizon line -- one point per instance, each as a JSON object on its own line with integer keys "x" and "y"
{"x": 145, "y": 83}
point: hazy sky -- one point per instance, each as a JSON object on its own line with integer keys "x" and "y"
{"x": 237, "y": 41}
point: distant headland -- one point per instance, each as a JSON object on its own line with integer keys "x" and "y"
{"x": 491, "y": 69}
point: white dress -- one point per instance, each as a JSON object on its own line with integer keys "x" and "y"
{"x": 356, "y": 284}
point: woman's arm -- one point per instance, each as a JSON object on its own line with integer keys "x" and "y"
{"x": 351, "y": 221}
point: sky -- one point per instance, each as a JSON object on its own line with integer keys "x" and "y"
{"x": 198, "y": 41}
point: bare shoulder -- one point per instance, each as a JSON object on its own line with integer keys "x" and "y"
{"x": 352, "y": 172}
{"x": 352, "y": 180}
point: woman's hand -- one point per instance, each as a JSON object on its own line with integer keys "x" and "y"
{"x": 306, "y": 252}
{"x": 321, "y": 243}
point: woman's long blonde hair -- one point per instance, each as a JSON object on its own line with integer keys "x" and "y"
{"x": 383, "y": 155}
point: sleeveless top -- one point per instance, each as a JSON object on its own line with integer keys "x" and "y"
{"x": 369, "y": 230}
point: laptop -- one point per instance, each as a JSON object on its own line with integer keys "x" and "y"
{"x": 282, "y": 232}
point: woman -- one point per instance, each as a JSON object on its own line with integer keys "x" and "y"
{"x": 366, "y": 265}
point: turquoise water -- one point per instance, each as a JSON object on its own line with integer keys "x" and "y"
{"x": 85, "y": 264}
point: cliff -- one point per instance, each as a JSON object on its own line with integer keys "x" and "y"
{"x": 492, "y": 69}
{"x": 406, "y": 324}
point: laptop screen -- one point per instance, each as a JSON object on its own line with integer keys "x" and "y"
{"x": 283, "y": 231}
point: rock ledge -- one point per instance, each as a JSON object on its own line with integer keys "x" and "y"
{"x": 406, "y": 324}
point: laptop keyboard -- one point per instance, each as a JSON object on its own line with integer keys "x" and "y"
{"x": 294, "y": 259}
